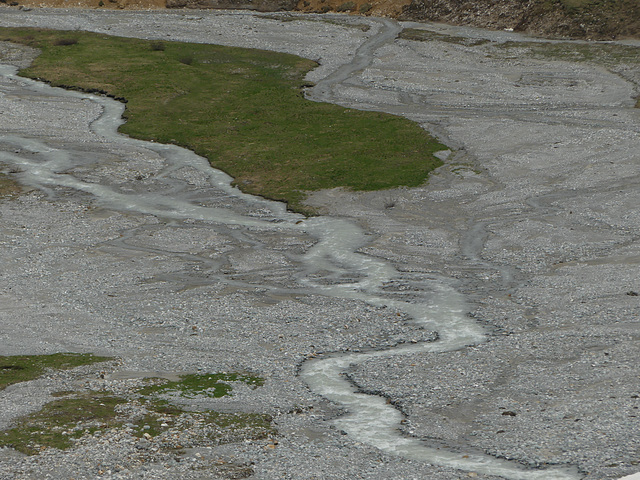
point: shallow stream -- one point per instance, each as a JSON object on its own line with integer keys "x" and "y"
{"x": 334, "y": 257}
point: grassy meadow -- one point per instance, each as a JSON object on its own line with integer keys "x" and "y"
{"x": 242, "y": 109}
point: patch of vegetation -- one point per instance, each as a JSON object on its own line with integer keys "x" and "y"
{"x": 157, "y": 46}
{"x": 239, "y": 426}
{"x": 606, "y": 54}
{"x": 343, "y": 23}
{"x": 79, "y": 413}
{"x": 281, "y": 17}
{"x": 589, "y": 19}
{"x": 576, "y": 3}
{"x": 212, "y": 385}
{"x": 346, "y": 7}
{"x": 155, "y": 422}
{"x": 8, "y": 187}
{"x": 364, "y": 8}
{"x": 612, "y": 17}
{"x": 419, "y": 35}
{"x": 62, "y": 421}
{"x": 605, "y": 19}
{"x": 22, "y": 368}
{"x": 62, "y": 42}
{"x": 217, "y": 427}
{"x": 242, "y": 109}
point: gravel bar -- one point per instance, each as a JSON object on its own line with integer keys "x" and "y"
{"x": 533, "y": 219}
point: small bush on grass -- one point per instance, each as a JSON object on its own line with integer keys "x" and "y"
{"x": 157, "y": 46}
{"x": 63, "y": 42}
{"x": 346, "y": 7}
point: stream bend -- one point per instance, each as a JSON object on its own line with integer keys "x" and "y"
{"x": 370, "y": 419}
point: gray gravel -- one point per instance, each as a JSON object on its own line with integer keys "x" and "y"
{"x": 533, "y": 218}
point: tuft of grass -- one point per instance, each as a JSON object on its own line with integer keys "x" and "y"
{"x": 243, "y": 110}
{"x": 232, "y": 427}
{"x": 157, "y": 46}
{"x": 217, "y": 427}
{"x": 60, "y": 422}
{"x": 22, "y": 368}
{"x": 214, "y": 385}
{"x": 64, "y": 42}
{"x": 346, "y": 7}
{"x": 154, "y": 423}
{"x": 8, "y": 187}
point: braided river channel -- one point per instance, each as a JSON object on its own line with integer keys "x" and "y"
{"x": 335, "y": 264}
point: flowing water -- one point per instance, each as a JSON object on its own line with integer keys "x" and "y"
{"x": 370, "y": 418}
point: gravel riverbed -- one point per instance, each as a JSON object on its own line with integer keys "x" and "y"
{"x": 533, "y": 220}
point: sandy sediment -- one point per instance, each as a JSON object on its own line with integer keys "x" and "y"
{"x": 533, "y": 219}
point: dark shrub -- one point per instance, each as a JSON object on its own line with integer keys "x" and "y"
{"x": 346, "y": 7}
{"x": 157, "y": 46}
{"x": 66, "y": 41}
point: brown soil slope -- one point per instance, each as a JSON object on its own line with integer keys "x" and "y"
{"x": 593, "y": 19}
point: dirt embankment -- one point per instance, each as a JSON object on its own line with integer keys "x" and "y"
{"x": 589, "y": 19}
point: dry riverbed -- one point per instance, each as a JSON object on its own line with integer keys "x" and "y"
{"x": 119, "y": 250}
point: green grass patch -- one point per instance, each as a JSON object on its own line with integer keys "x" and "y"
{"x": 242, "y": 109}
{"x": 62, "y": 421}
{"x": 216, "y": 426}
{"x": 213, "y": 385}
{"x": 155, "y": 423}
{"x": 22, "y": 368}
{"x": 77, "y": 413}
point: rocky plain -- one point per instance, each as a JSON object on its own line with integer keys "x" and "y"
{"x": 529, "y": 234}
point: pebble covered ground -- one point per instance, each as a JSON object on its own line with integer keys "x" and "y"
{"x": 533, "y": 218}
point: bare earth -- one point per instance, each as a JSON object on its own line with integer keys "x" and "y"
{"x": 118, "y": 249}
